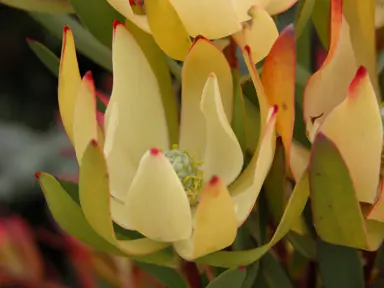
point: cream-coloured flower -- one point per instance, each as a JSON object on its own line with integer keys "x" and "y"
{"x": 169, "y": 193}
{"x": 172, "y": 22}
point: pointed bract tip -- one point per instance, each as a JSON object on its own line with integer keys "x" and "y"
{"x": 289, "y": 30}
{"x": 66, "y": 28}
{"x": 29, "y": 40}
{"x": 88, "y": 76}
{"x": 154, "y": 151}
{"x": 242, "y": 268}
{"x": 197, "y": 39}
{"x": 94, "y": 143}
{"x": 247, "y": 49}
{"x": 37, "y": 175}
{"x": 116, "y": 23}
{"x": 200, "y": 37}
{"x": 214, "y": 180}
{"x": 212, "y": 75}
{"x": 275, "y": 109}
{"x": 361, "y": 73}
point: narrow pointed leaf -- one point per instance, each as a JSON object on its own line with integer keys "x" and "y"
{"x": 49, "y": 59}
{"x": 274, "y": 272}
{"x": 320, "y": 18}
{"x": 167, "y": 276}
{"x": 98, "y": 18}
{"x": 275, "y": 184}
{"x": 232, "y": 278}
{"x": 303, "y": 16}
{"x": 45, "y": 6}
{"x": 86, "y": 43}
{"x": 239, "y": 123}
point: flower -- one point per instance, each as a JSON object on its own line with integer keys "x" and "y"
{"x": 172, "y": 22}
{"x": 172, "y": 193}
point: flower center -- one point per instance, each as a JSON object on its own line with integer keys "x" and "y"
{"x": 187, "y": 169}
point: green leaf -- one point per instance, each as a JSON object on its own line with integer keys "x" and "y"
{"x": 380, "y": 62}
{"x": 304, "y": 244}
{"x": 98, "y": 17}
{"x": 167, "y": 276}
{"x": 63, "y": 201}
{"x": 49, "y": 59}
{"x": 86, "y": 43}
{"x": 46, "y": 6}
{"x": 320, "y": 18}
{"x": 64, "y": 206}
{"x": 304, "y": 11}
{"x": 275, "y": 184}
{"x": 292, "y": 213}
{"x": 239, "y": 112}
{"x": 232, "y": 278}
{"x": 339, "y": 266}
{"x": 251, "y": 275}
{"x": 159, "y": 64}
{"x": 274, "y": 273}
{"x": 297, "y": 265}
{"x": 336, "y": 211}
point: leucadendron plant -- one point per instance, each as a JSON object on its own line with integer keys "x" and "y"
{"x": 270, "y": 171}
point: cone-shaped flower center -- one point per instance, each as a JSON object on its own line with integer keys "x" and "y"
{"x": 187, "y": 169}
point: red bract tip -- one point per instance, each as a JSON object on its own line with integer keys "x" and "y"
{"x": 214, "y": 180}
{"x": 361, "y": 73}
{"x": 155, "y": 151}
{"x": 242, "y": 268}
{"x": 29, "y": 40}
{"x": 247, "y": 49}
{"x": 275, "y": 109}
{"x": 199, "y": 37}
{"x": 66, "y": 28}
{"x": 93, "y": 142}
{"x": 88, "y": 76}
{"x": 116, "y": 23}
{"x": 37, "y": 175}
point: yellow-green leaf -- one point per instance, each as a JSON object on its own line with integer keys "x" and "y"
{"x": 303, "y": 15}
{"x": 46, "y": 6}
{"x": 49, "y": 59}
{"x": 239, "y": 120}
{"x": 275, "y": 186}
{"x": 86, "y": 43}
{"x": 63, "y": 202}
{"x": 336, "y": 212}
{"x": 98, "y": 18}
{"x": 232, "y": 278}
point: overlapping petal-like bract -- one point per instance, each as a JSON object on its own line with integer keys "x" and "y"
{"x": 345, "y": 127}
{"x": 213, "y": 19}
{"x": 131, "y": 181}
